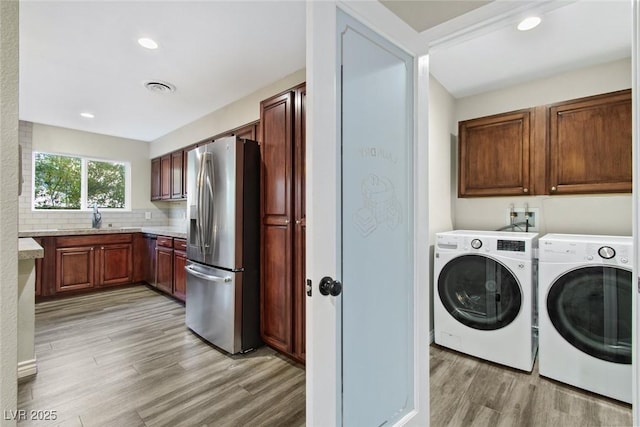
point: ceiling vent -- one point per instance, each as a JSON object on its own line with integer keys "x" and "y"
{"x": 159, "y": 86}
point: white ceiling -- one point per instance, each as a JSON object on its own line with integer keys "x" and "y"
{"x": 573, "y": 36}
{"x": 80, "y": 56}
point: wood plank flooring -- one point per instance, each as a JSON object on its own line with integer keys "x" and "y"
{"x": 466, "y": 391}
{"x": 125, "y": 358}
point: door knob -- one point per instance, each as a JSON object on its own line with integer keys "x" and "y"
{"x": 328, "y": 286}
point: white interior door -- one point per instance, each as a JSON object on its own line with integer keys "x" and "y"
{"x": 367, "y": 343}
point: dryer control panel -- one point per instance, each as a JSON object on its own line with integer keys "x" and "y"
{"x": 587, "y": 252}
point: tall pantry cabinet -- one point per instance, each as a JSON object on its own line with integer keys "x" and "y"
{"x": 282, "y": 140}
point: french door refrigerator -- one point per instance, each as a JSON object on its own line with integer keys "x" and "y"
{"x": 223, "y": 243}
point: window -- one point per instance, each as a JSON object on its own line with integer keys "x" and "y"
{"x": 78, "y": 183}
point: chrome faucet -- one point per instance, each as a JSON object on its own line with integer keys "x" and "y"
{"x": 96, "y": 222}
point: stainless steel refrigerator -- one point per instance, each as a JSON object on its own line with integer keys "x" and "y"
{"x": 223, "y": 243}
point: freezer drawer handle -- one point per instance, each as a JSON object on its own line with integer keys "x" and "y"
{"x": 207, "y": 276}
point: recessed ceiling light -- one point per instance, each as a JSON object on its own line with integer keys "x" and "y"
{"x": 529, "y": 23}
{"x": 87, "y": 115}
{"x": 148, "y": 43}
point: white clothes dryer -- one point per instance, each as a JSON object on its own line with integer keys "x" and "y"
{"x": 485, "y": 295}
{"x": 586, "y": 287}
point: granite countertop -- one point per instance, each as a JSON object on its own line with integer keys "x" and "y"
{"x": 29, "y": 249}
{"x": 169, "y": 231}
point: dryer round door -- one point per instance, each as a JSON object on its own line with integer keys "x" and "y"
{"x": 480, "y": 292}
{"x": 591, "y": 308}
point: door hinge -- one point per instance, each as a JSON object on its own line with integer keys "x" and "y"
{"x": 309, "y": 287}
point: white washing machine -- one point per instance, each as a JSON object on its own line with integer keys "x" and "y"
{"x": 485, "y": 295}
{"x": 586, "y": 288}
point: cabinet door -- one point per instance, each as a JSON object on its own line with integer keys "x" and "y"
{"x": 176, "y": 174}
{"x": 164, "y": 269}
{"x": 299, "y": 275}
{"x": 247, "y": 132}
{"x": 590, "y": 145}
{"x": 140, "y": 258}
{"x": 75, "y": 268}
{"x": 165, "y": 177}
{"x": 155, "y": 179}
{"x": 150, "y": 271}
{"x": 494, "y": 155}
{"x": 179, "y": 275}
{"x": 116, "y": 264}
{"x": 276, "y": 118}
{"x": 185, "y": 163}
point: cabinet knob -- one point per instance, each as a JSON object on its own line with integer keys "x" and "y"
{"x": 553, "y": 188}
{"x": 525, "y": 190}
{"x": 286, "y": 221}
{"x": 297, "y": 221}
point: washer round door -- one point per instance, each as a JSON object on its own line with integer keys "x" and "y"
{"x": 480, "y": 292}
{"x": 591, "y": 308}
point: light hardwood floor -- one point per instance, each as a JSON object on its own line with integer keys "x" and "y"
{"x": 466, "y": 391}
{"x": 124, "y": 358}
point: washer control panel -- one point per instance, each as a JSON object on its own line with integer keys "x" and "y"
{"x": 511, "y": 245}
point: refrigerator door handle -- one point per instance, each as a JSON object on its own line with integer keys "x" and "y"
{"x": 207, "y": 277}
{"x": 205, "y": 200}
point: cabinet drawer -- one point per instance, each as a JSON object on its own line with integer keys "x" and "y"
{"x": 95, "y": 239}
{"x": 164, "y": 241}
{"x": 180, "y": 244}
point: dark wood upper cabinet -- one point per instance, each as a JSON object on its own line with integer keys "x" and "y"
{"x": 169, "y": 172}
{"x": 249, "y": 131}
{"x": 572, "y": 147}
{"x": 494, "y": 155}
{"x": 590, "y": 145}
{"x": 165, "y": 177}
{"x": 177, "y": 176}
{"x": 155, "y": 179}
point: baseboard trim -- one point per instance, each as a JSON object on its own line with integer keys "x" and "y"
{"x": 27, "y": 368}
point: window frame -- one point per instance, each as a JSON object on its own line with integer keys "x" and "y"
{"x": 84, "y": 207}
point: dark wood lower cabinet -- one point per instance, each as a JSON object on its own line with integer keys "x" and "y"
{"x": 179, "y": 275}
{"x": 116, "y": 264}
{"x": 75, "y": 268}
{"x": 77, "y": 264}
{"x": 164, "y": 269}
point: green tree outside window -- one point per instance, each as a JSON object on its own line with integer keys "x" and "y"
{"x": 74, "y": 183}
{"x": 57, "y": 181}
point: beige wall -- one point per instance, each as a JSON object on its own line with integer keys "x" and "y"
{"x": 441, "y": 158}
{"x": 8, "y": 206}
{"x": 39, "y": 137}
{"x": 67, "y": 141}
{"x": 236, "y": 114}
{"x": 597, "y": 214}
